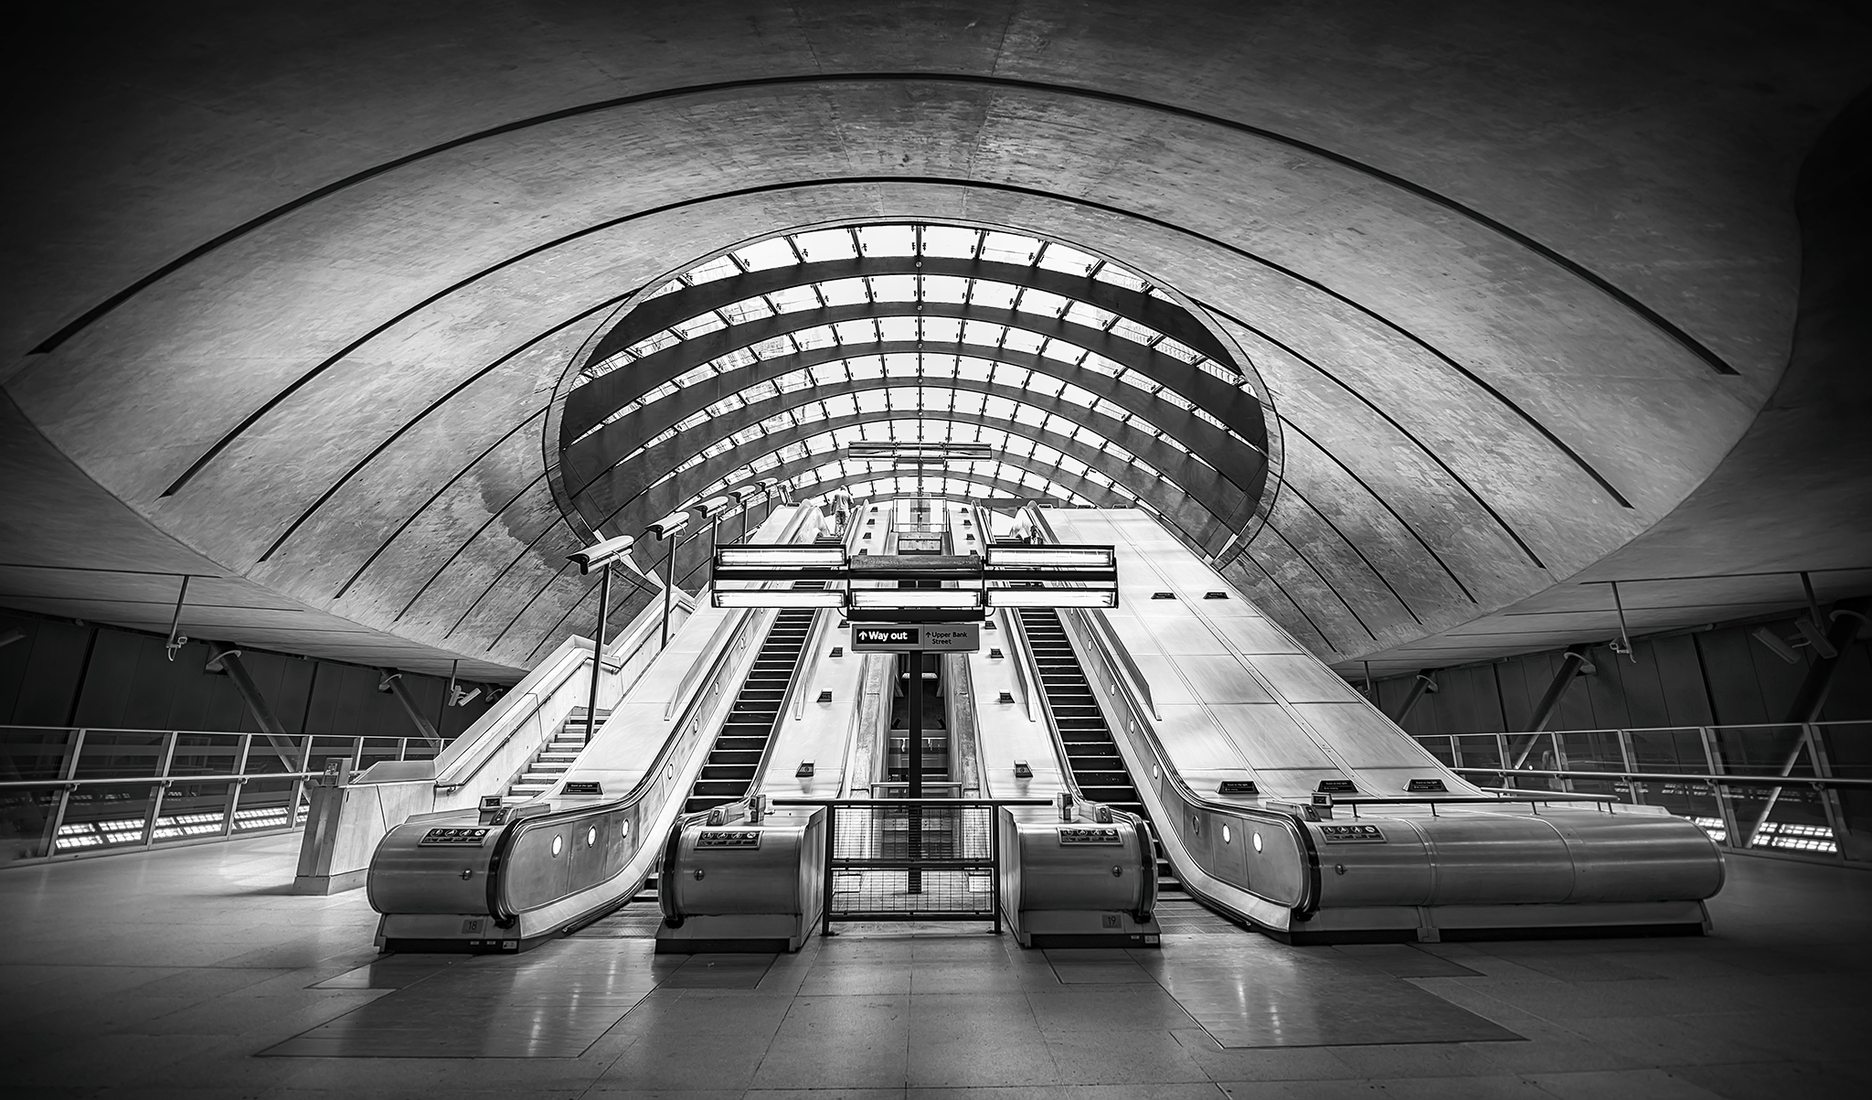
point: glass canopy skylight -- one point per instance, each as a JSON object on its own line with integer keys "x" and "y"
{"x": 1090, "y": 382}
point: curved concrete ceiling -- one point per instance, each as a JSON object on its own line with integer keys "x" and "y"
{"x": 293, "y": 288}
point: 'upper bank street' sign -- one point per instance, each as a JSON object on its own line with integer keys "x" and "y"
{"x": 898, "y": 637}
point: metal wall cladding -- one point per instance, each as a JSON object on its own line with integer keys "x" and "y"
{"x": 406, "y": 878}
{"x": 773, "y": 878}
{"x": 1496, "y": 858}
{"x": 1057, "y": 876}
{"x": 593, "y": 848}
{"x": 1638, "y": 857}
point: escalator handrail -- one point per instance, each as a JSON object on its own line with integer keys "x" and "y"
{"x": 1290, "y": 823}
{"x": 1125, "y": 660}
{"x": 691, "y": 681}
{"x": 1020, "y": 661}
{"x": 663, "y": 759}
{"x": 1046, "y": 702}
{"x": 793, "y": 688}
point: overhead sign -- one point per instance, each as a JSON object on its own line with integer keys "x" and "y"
{"x": 929, "y": 637}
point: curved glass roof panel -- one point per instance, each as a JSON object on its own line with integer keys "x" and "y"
{"x": 1089, "y": 380}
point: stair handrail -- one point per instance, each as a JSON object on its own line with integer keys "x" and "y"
{"x": 1152, "y": 749}
{"x": 513, "y": 710}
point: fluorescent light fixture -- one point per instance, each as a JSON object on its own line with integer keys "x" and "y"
{"x": 713, "y": 506}
{"x": 602, "y": 554}
{"x": 1052, "y": 597}
{"x": 911, "y": 449}
{"x": 916, "y": 599}
{"x": 1052, "y": 557}
{"x": 781, "y": 557}
{"x": 779, "y": 597}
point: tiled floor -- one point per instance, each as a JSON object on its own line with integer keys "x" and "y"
{"x": 193, "y": 972}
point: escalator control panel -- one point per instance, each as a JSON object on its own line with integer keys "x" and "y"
{"x": 1353, "y": 834}
{"x": 1078, "y": 835}
{"x": 455, "y": 836}
{"x": 728, "y": 838}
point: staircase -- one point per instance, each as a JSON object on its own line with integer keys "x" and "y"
{"x": 1091, "y": 753}
{"x": 728, "y": 772}
{"x": 545, "y": 769}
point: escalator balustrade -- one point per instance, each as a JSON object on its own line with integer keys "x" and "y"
{"x": 1091, "y": 754}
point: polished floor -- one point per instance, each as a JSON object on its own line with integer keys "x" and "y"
{"x": 193, "y": 972}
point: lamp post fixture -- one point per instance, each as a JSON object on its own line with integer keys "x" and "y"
{"x": 667, "y": 529}
{"x": 599, "y": 556}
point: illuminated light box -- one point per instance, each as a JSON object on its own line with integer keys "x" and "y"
{"x": 780, "y": 557}
{"x": 1052, "y": 597}
{"x": 778, "y": 597}
{"x": 1052, "y": 557}
{"x": 916, "y": 599}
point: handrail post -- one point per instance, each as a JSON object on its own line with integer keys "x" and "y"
{"x": 994, "y": 861}
{"x": 68, "y": 771}
{"x": 160, "y": 787}
{"x": 1725, "y": 809}
{"x": 1625, "y": 754}
{"x": 1829, "y": 796}
{"x": 298, "y": 787}
{"x": 831, "y": 845}
{"x": 231, "y": 804}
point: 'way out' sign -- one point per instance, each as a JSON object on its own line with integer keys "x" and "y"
{"x": 897, "y": 637}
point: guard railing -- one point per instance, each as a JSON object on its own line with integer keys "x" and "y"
{"x": 67, "y": 790}
{"x": 1785, "y": 788}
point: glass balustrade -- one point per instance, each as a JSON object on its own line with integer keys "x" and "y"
{"x": 1799, "y": 788}
{"x": 67, "y": 790}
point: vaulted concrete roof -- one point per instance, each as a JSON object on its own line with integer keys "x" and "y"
{"x": 1525, "y": 291}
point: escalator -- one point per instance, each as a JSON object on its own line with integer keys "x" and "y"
{"x": 1091, "y": 754}
{"x": 730, "y": 770}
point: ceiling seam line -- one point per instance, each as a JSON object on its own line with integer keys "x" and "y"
{"x": 485, "y": 524}
{"x": 1382, "y": 502}
{"x": 1330, "y": 587}
{"x": 433, "y": 497}
{"x": 293, "y": 387}
{"x": 424, "y": 414}
{"x": 1402, "y": 430}
{"x": 1678, "y": 334}
{"x": 1278, "y": 587}
{"x": 1343, "y": 537}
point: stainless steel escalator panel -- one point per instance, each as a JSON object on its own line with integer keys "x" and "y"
{"x": 1366, "y": 739}
{"x": 1221, "y": 680}
{"x": 1252, "y": 634}
{"x": 1268, "y": 737}
{"x": 1201, "y": 743}
{"x": 1304, "y": 679}
{"x": 1175, "y": 632}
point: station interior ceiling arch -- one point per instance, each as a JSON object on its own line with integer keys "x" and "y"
{"x": 1423, "y": 324}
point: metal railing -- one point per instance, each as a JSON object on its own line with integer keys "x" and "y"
{"x": 904, "y": 859}
{"x": 71, "y": 791}
{"x": 1788, "y": 788}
